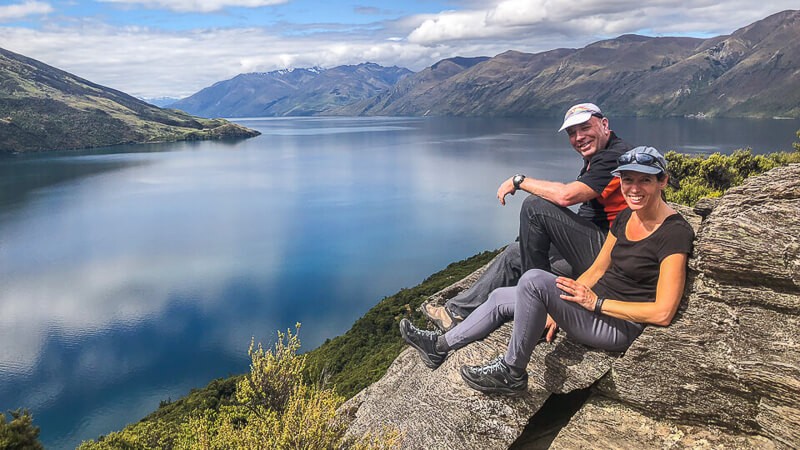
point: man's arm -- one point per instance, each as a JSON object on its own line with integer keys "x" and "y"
{"x": 559, "y": 193}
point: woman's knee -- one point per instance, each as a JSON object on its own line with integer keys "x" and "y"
{"x": 537, "y": 277}
{"x": 535, "y": 282}
{"x": 501, "y": 302}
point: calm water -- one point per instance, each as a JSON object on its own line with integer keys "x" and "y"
{"x": 130, "y": 274}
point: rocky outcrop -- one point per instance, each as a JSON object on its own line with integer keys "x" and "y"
{"x": 725, "y": 373}
{"x": 616, "y": 425}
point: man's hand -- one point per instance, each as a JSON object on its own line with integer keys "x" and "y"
{"x": 551, "y": 328}
{"x": 576, "y": 292}
{"x": 506, "y": 188}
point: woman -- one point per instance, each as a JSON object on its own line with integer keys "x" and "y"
{"x": 637, "y": 278}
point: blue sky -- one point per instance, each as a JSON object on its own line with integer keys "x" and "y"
{"x": 155, "y": 48}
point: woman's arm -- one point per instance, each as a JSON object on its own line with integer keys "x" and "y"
{"x": 600, "y": 264}
{"x": 671, "y": 280}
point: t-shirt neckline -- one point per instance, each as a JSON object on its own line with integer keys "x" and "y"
{"x": 625, "y": 230}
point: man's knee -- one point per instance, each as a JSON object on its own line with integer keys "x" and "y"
{"x": 533, "y": 204}
{"x": 511, "y": 254}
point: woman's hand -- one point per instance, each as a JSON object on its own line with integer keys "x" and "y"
{"x": 576, "y": 292}
{"x": 550, "y": 326}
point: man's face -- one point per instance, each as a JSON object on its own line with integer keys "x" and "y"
{"x": 590, "y": 136}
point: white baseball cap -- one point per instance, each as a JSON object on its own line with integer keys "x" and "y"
{"x": 579, "y": 113}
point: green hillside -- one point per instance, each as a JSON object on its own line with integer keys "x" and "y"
{"x": 44, "y": 108}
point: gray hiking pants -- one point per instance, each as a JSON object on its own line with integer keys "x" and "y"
{"x": 529, "y": 303}
{"x": 552, "y": 238}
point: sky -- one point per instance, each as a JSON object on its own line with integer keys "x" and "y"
{"x": 174, "y": 48}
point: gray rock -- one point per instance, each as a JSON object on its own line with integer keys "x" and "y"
{"x": 716, "y": 364}
{"x": 751, "y": 238}
{"x": 705, "y": 205}
{"x": 604, "y": 423}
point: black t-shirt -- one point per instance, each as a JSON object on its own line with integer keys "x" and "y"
{"x": 635, "y": 265}
{"x": 596, "y": 174}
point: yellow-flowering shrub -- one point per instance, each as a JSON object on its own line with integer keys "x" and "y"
{"x": 275, "y": 409}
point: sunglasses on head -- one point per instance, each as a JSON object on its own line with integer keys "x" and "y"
{"x": 640, "y": 158}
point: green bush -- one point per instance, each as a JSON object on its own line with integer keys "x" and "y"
{"x": 796, "y": 145}
{"x": 20, "y": 432}
{"x": 711, "y": 176}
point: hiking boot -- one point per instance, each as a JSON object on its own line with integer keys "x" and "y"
{"x": 441, "y": 316}
{"x": 425, "y": 343}
{"x": 494, "y": 377}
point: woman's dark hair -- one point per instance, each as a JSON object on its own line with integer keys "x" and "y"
{"x": 672, "y": 182}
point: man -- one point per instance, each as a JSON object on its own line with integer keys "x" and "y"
{"x": 552, "y": 237}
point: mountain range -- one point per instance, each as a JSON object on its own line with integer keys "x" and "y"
{"x": 752, "y": 72}
{"x": 291, "y": 92}
{"x": 44, "y": 108}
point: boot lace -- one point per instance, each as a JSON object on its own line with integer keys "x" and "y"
{"x": 493, "y": 366}
{"x": 426, "y": 333}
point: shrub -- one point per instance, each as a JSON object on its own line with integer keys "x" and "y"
{"x": 273, "y": 408}
{"x": 710, "y": 176}
{"x": 20, "y": 432}
{"x": 276, "y": 409}
{"x": 273, "y": 376}
{"x": 796, "y": 145}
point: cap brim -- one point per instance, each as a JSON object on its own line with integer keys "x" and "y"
{"x": 653, "y": 170}
{"x": 575, "y": 119}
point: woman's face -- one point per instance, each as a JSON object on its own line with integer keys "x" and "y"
{"x": 641, "y": 189}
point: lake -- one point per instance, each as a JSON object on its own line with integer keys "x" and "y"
{"x": 130, "y": 274}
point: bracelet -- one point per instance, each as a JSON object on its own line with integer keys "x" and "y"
{"x": 598, "y": 305}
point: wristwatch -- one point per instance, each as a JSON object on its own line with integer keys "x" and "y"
{"x": 517, "y": 180}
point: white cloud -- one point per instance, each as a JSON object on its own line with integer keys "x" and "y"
{"x": 151, "y": 62}
{"x": 21, "y": 10}
{"x": 203, "y": 6}
{"x": 510, "y": 19}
